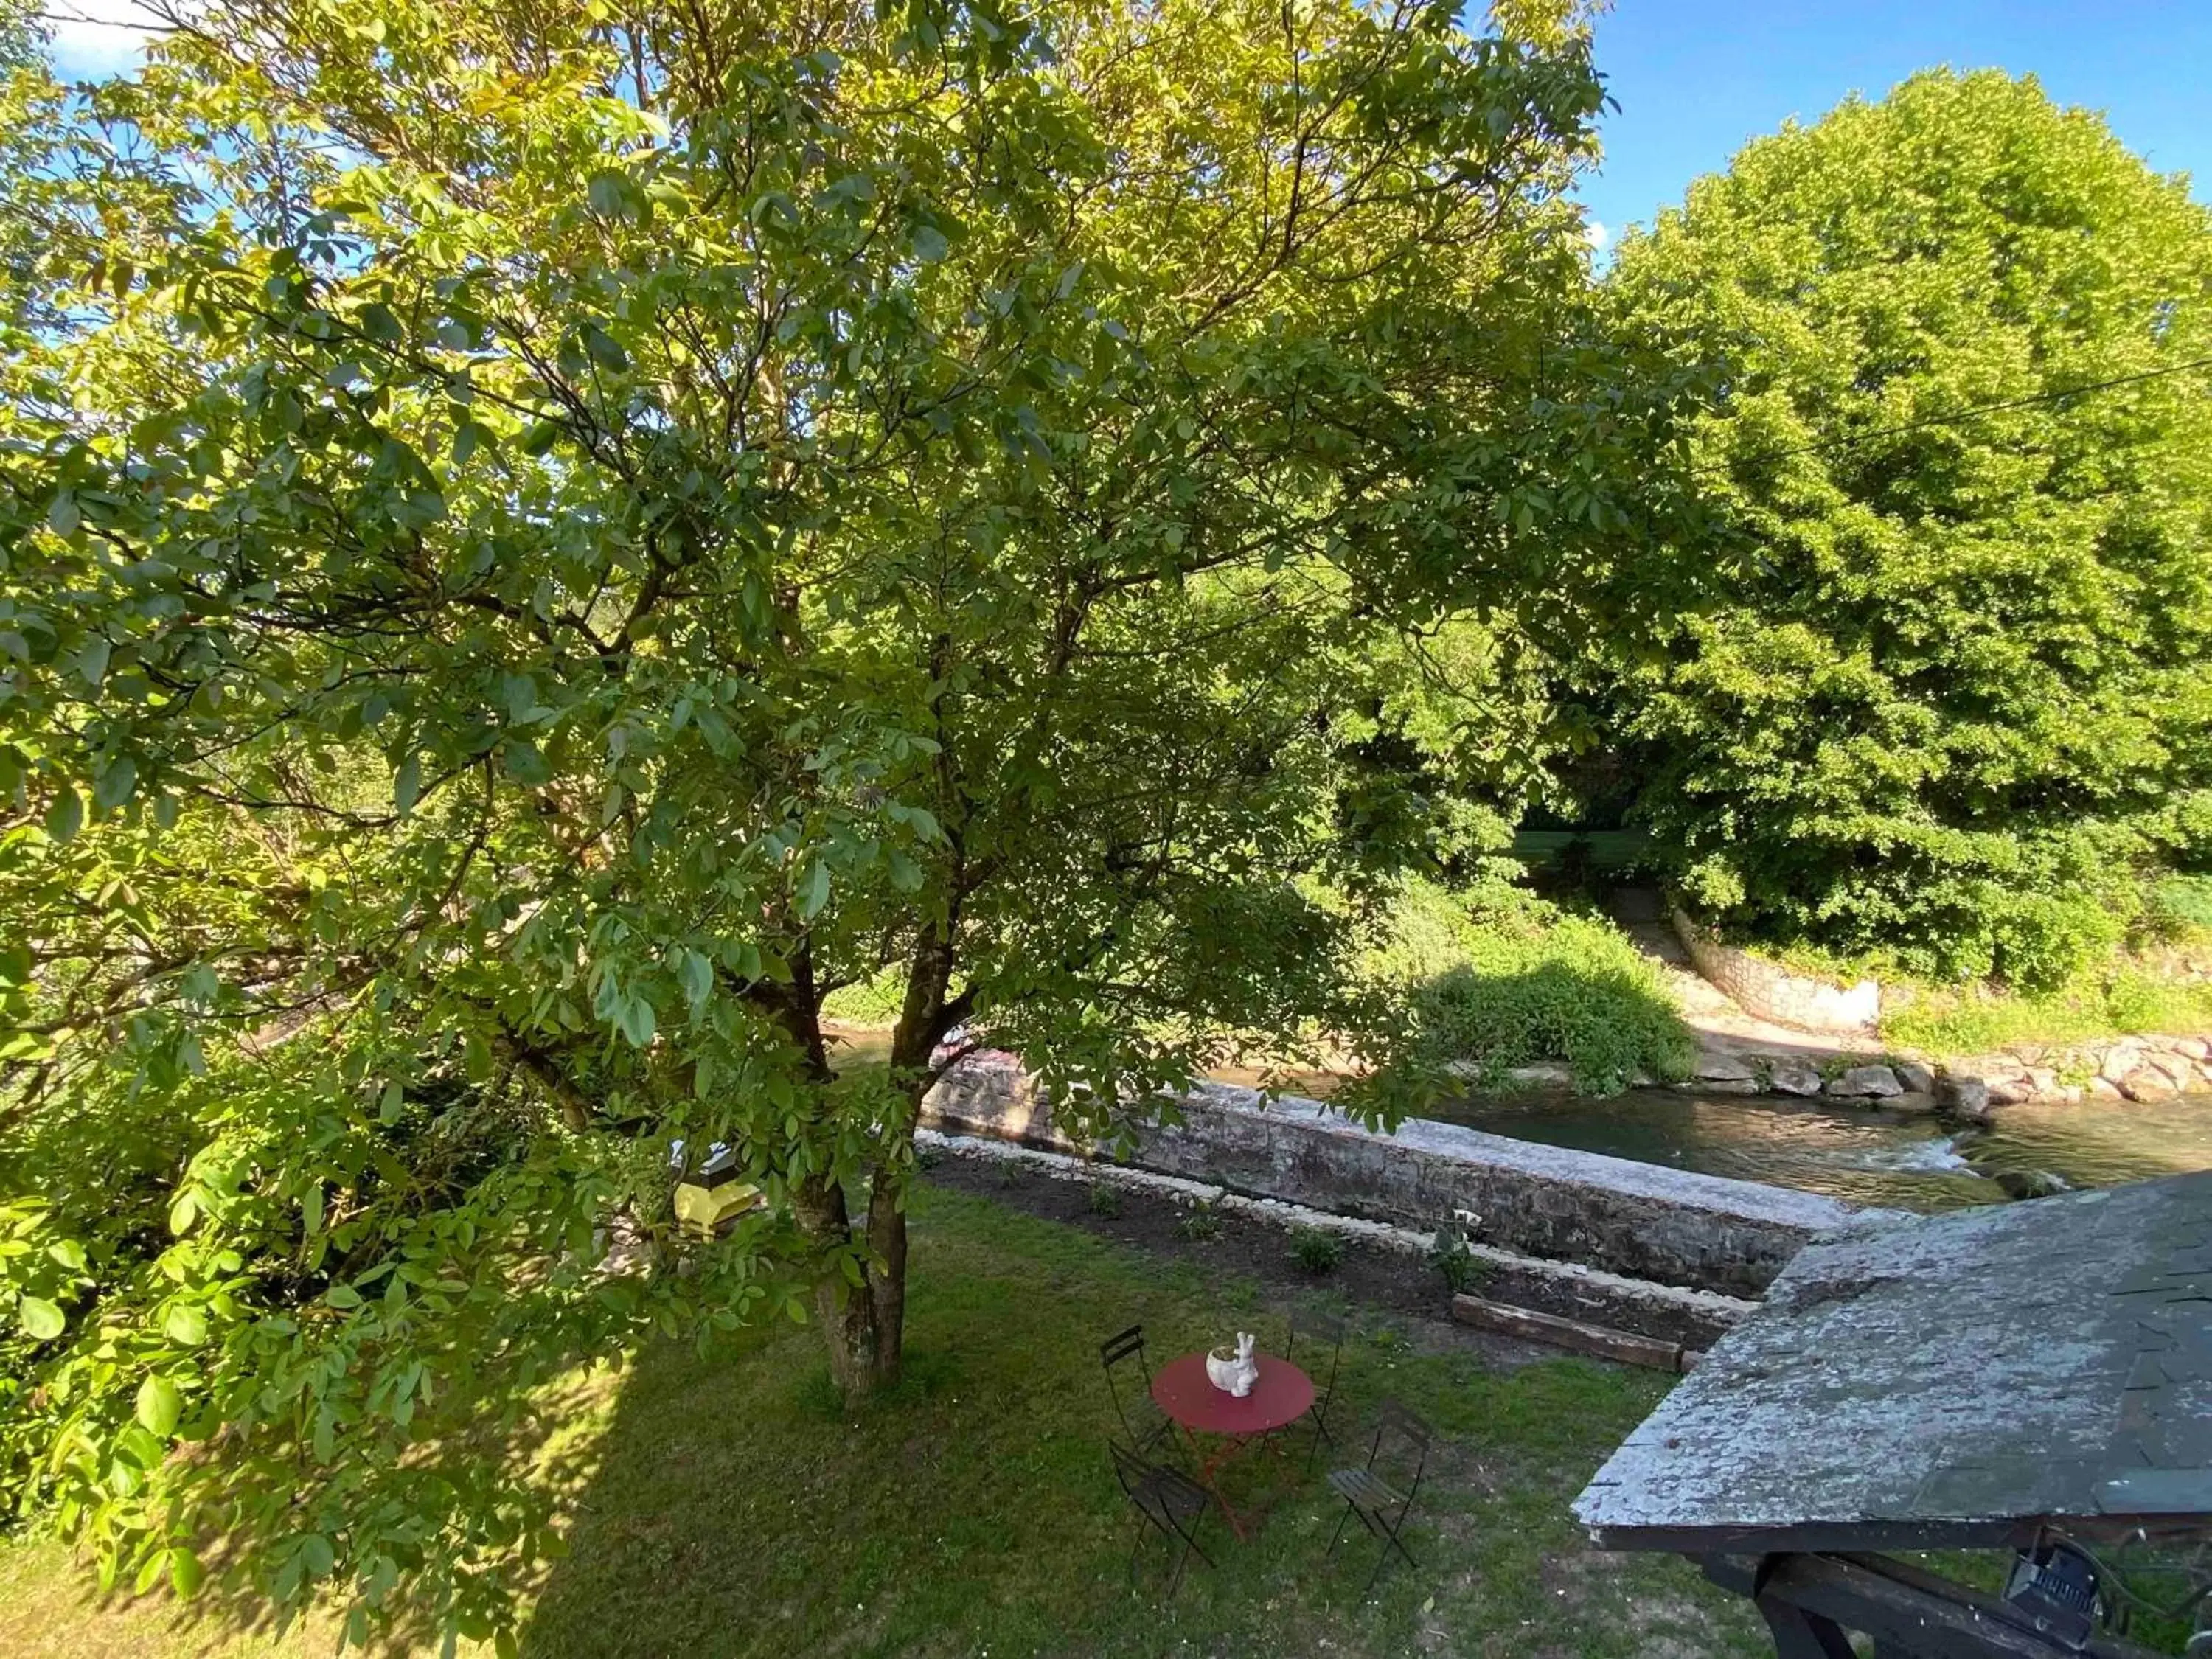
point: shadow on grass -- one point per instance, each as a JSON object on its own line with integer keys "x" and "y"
{"x": 738, "y": 1508}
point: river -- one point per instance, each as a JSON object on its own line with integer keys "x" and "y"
{"x": 1906, "y": 1161}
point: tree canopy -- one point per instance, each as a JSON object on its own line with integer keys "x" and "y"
{"x": 538, "y": 544}
{"x": 1945, "y": 690}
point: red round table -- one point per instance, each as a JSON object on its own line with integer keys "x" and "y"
{"x": 1281, "y": 1394}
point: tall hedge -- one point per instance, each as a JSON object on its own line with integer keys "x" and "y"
{"x": 1943, "y": 692}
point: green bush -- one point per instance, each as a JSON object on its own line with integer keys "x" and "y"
{"x": 1105, "y": 1199}
{"x": 871, "y": 1002}
{"x": 1496, "y": 977}
{"x": 1317, "y": 1249}
{"x": 1932, "y": 683}
{"x": 2180, "y": 908}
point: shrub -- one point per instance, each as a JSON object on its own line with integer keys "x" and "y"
{"x": 875, "y": 1001}
{"x": 1105, "y": 1199}
{"x": 1931, "y": 684}
{"x": 1317, "y": 1249}
{"x": 2180, "y": 908}
{"x": 1453, "y": 1257}
{"x": 1200, "y": 1225}
{"x": 1499, "y": 978}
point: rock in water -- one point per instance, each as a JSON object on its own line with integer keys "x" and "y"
{"x": 1967, "y": 1096}
{"x": 1795, "y": 1077}
{"x": 1867, "y": 1082}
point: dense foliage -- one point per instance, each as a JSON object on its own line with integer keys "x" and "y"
{"x": 1946, "y": 694}
{"x": 1491, "y": 977}
{"x": 537, "y": 549}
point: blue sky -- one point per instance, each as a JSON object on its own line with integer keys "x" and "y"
{"x": 1697, "y": 78}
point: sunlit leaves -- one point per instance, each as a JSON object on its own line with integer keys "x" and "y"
{"x": 1936, "y": 685}
{"x": 40, "y": 1319}
{"x": 159, "y": 1405}
{"x": 554, "y": 586}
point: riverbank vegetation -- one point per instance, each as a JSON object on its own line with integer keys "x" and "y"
{"x": 1493, "y": 978}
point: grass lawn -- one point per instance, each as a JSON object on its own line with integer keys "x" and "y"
{"x": 725, "y": 1504}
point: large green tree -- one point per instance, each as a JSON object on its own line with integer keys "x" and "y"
{"x": 542, "y": 542}
{"x": 1945, "y": 688}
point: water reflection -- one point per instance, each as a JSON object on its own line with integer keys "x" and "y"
{"x": 1911, "y": 1162}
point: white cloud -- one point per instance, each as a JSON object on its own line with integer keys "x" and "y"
{"x": 95, "y": 39}
{"x": 1596, "y": 235}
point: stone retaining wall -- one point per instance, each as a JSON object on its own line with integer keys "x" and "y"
{"x": 1772, "y": 992}
{"x": 1646, "y": 1222}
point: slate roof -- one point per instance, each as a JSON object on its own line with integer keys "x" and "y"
{"x": 1951, "y": 1382}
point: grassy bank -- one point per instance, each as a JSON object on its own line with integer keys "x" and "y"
{"x": 2122, "y": 1000}
{"x": 724, "y": 1503}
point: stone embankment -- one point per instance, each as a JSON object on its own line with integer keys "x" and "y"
{"x": 1764, "y": 1028}
{"x": 2144, "y": 1069}
{"x": 1672, "y": 1227}
{"x": 2138, "y": 1068}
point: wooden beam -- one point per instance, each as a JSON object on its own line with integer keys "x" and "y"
{"x": 1809, "y": 1600}
{"x": 1602, "y": 1340}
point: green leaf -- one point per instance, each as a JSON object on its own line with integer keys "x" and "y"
{"x": 42, "y": 1321}
{"x": 635, "y": 1017}
{"x": 184, "y": 1325}
{"x": 378, "y": 322}
{"x": 407, "y": 785}
{"x": 343, "y": 1296}
{"x": 66, "y": 816}
{"x": 114, "y": 786}
{"x": 525, "y": 764}
{"x": 160, "y": 1405}
{"x": 612, "y": 195}
{"x": 311, "y": 1208}
{"x": 929, "y": 243}
{"x": 467, "y": 437}
{"x": 68, "y": 1253}
{"x": 814, "y": 891}
{"x": 606, "y": 350}
{"x": 186, "y": 1573}
{"x": 64, "y": 516}
{"x": 696, "y": 975}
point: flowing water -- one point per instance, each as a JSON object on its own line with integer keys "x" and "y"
{"x": 1906, "y": 1161}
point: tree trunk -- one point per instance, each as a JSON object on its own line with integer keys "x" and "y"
{"x": 864, "y": 1324}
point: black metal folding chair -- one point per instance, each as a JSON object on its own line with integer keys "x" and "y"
{"x": 1375, "y": 1494}
{"x": 1144, "y": 1424}
{"x": 1318, "y": 1329}
{"x": 1172, "y": 1504}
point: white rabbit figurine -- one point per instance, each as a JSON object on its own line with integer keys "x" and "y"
{"x": 1234, "y": 1375}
